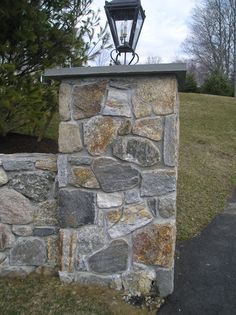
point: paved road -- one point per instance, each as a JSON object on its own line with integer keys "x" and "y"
{"x": 205, "y": 274}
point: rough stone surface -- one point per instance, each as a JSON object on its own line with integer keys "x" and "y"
{"x": 131, "y": 218}
{"x": 68, "y": 241}
{"x": 99, "y": 133}
{"x": 113, "y": 259}
{"x": 29, "y": 251}
{"x": 16, "y": 164}
{"x": 7, "y": 239}
{"x": 3, "y": 257}
{"x": 69, "y": 138}
{"x": 62, "y": 165}
{"x": 118, "y": 103}
{"x": 151, "y": 128}
{"x": 83, "y": 177}
{"x": 114, "y": 176}
{"x": 132, "y": 196}
{"x": 86, "y": 278}
{"x": 158, "y": 95}
{"x": 167, "y": 205}
{"x": 66, "y": 277}
{"x": 89, "y": 239}
{"x": 46, "y": 213}
{"x": 137, "y": 150}
{"x": 76, "y": 208}
{"x": 14, "y": 208}
{"x": 110, "y": 200}
{"x": 3, "y": 177}
{"x": 125, "y": 127}
{"x": 44, "y": 231}
{"x": 158, "y": 182}
{"x": 139, "y": 282}
{"x": 76, "y": 159}
{"x": 165, "y": 281}
{"x": 87, "y": 99}
{"x": 16, "y": 272}
{"x": 48, "y": 164}
{"x": 65, "y": 101}
{"x": 53, "y": 253}
{"x": 46, "y": 271}
{"x": 170, "y": 141}
{"x": 154, "y": 245}
{"x": 153, "y": 204}
{"x": 34, "y": 185}
{"x": 22, "y": 230}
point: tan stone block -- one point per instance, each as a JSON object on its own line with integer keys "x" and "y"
{"x": 83, "y": 177}
{"x": 151, "y": 128}
{"x": 48, "y": 164}
{"x": 64, "y": 101}
{"x": 87, "y": 99}
{"x": 67, "y": 246}
{"x": 154, "y": 245}
{"x": 99, "y": 133}
{"x": 69, "y": 138}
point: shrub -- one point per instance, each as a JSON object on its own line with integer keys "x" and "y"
{"x": 190, "y": 85}
{"x": 217, "y": 83}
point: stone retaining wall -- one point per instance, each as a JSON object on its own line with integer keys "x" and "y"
{"x": 28, "y": 214}
{"x": 118, "y": 140}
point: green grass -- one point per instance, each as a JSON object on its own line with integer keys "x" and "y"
{"x": 207, "y": 161}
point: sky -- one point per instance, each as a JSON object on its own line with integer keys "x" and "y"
{"x": 164, "y": 29}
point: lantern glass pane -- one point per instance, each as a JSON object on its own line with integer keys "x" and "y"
{"x": 124, "y": 31}
{"x": 137, "y": 30}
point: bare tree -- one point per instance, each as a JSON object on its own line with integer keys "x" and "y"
{"x": 153, "y": 60}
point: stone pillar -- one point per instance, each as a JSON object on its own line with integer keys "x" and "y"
{"x": 117, "y": 173}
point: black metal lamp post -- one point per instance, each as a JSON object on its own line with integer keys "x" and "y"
{"x": 125, "y": 18}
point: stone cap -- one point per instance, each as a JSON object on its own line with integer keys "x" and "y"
{"x": 178, "y": 69}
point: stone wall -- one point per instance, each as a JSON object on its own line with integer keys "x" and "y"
{"x": 28, "y": 214}
{"x": 117, "y": 173}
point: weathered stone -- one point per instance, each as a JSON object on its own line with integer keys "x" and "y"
{"x": 89, "y": 239}
{"x": 66, "y": 277}
{"x": 111, "y": 200}
{"x": 165, "y": 281}
{"x": 3, "y": 257}
{"x": 153, "y": 204}
{"x": 14, "y": 208}
{"x": 87, "y": 99}
{"x": 28, "y": 252}
{"x": 46, "y": 213}
{"x": 139, "y": 282}
{"x": 131, "y": 218}
{"x": 7, "y": 239}
{"x": 151, "y": 128}
{"x": 158, "y": 182}
{"x": 113, "y": 259}
{"x": 137, "y": 150}
{"x": 37, "y": 186}
{"x": 154, "y": 245}
{"x": 83, "y": 177}
{"x": 132, "y": 196}
{"x": 53, "y": 254}
{"x": 170, "y": 141}
{"x": 68, "y": 241}
{"x": 22, "y": 230}
{"x": 44, "y": 231}
{"x": 125, "y": 127}
{"x": 3, "y": 177}
{"x": 65, "y": 101}
{"x": 99, "y": 133}
{"x": 15, "y": 272}
{"x": 76, "y": 208}
{"x": 85, "y": 278}
{"x": 79, "y": 160}
{"x": 69, "y": 138}
{"x": 16, "y": 164}
{"x": 167, "y": 205}
{"x": 62, "y": 166}
{"x": 114, "y": 176}
{"x": 158, "y": 95}
{"x": 118, "y": 102}
{"x": 48, "y": 164}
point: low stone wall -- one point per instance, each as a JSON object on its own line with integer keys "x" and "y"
{"x": 28, "y": 214}
{"x": 117, "y": 182}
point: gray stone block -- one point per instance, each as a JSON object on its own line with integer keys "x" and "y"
{"x": 132, "y": 196}
{"x": 87, "y": 278}
{"x": 62, "y": 166}
{"x": 22, "y": 230}
{"x": 7, "y": 239}
{"x": 170, "y": 141}
{"x": 165, "y": 281}
{"x": 18, "y": 165}
{"x": 90, "y": 239}
{"x": 44, "y": 231}
{"x": 16, "y": 272}
{"x": 3, "y": 177}
{"x": 76, "y": 208}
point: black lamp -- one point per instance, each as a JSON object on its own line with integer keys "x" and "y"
{"x": 125, "y": 18}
